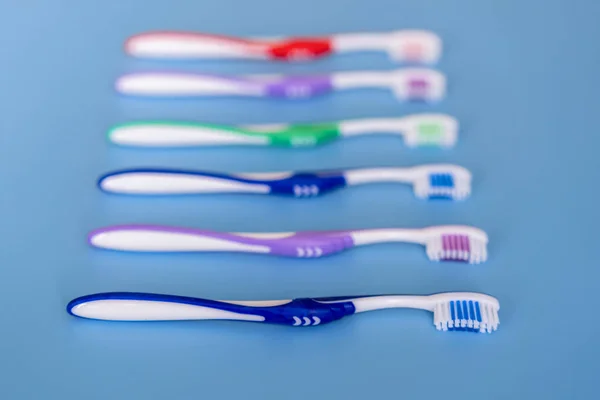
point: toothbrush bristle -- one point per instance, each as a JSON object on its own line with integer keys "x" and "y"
{"x": 443, "y": 186}
{"x": 430, "y": 133}
{"x": 457, "y": 247}
{"x": 441, "y": 180}
{"x": 466, "y": 315}
{"x": 418, "y": 88}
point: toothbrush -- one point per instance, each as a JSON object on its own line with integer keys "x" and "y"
{"x": 413, "y": 46}
{"x": 453, "y": 311}
{"x": 446, "y": 243}
{"x": 417, "y": 130}
{"x": 407, "y": 84}
{"x": 433, "y": 181}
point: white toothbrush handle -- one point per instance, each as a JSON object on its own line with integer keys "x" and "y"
{"x": 127, "y": 306}
{"x": 157, "y": 182}
{"x": 148, "y": 238}
{"x": 157, "y": 134}
{"x": 171, "y": 181}
{"x": 191, "y": 45}
{"x": 179, "y": 84}
{"x": 155, "y": 310}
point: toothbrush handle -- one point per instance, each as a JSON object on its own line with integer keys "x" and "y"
{"x": 165, "y": 181}
{"x": 185, "y": 44}
{"x": 158, "y": 307}
{"x": 174, "y": 134}
{"x": 187, "y": 85}
{"x": 190, "y": 85}
{"x": 405, "y": 45}
{"x": 173, "y": 44}
{"x": 150, "y": 238}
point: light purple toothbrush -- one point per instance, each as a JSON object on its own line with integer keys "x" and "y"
{"x": 451, "y": 242}
{"x": 407, "y": 84}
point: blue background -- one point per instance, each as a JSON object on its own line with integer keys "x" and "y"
{"x": 524, "y": 82}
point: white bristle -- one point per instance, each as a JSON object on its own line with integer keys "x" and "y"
{"x": 487, "y": 319}
{"x": 437, "y": 317}
{"x": 443, "y": 319}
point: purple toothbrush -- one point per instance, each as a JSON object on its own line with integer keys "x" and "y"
{"x": 407, "y": 84}
{"x": 451, "y": 242}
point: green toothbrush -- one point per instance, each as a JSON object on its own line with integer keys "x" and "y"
{"x": 418, "y": 130}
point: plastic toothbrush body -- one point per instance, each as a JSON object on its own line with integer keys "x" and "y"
{"x": 417, "y": 130}
{"x": 411, "y": 46}
{"x": 407, "y": 84}
{"x": 459, "y": 311}
{"x": 429, "y": 181}
{"x": 445, "y": 243}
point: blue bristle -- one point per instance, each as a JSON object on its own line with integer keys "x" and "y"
{"x": 458, "y": 316}
{"x": 468, "y": 315}
{"x": 478, "y": 311}
{"x": 441, "y": 180}
{"x": 439, "y": 197}
{"x": 451, "y": 314}
{"x": 472, "y": 315}
{"x": 464, "y": 310}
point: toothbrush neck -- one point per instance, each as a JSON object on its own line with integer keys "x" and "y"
{"x": 358, "y": 79}
{"x": 370, "y": 303}
{"x": 347, "y": 42}
{"x": 370, "y": 236}
{"x": 368, "y": 175}
{"x": 373, "y": 125}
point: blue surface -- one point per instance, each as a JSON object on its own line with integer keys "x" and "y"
{"x": 523, "y": 81}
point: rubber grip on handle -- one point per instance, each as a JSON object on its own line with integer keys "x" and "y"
{"x": 307, "y": 184}
{"x": 300, "y": 49}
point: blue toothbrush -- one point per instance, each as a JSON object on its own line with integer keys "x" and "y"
{"x": 473, "y": 312}
{"x": 429, "y": 181}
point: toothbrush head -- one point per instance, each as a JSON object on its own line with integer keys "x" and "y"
{"x": 442, "y": 181}
{"x": 431, "y": 130}
{"x": 456, "y": 243}
{"x": 415, "y": 46}
{"x": 471, "y": 312}
{"x": 418, "y": 84}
